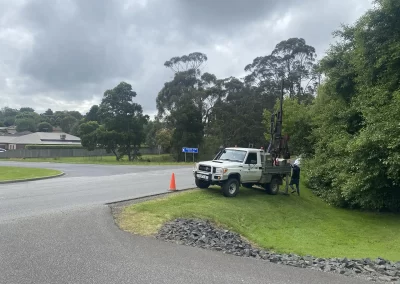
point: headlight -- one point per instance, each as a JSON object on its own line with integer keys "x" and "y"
{"x": 221, "y": 170}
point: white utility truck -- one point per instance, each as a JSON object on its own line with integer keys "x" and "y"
{"x": 233, "y": 167}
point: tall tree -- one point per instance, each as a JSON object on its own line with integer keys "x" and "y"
{"x": 188, "y": 130}
{"x": 163, "y": 139}
{"x": 183, "y": 84}
{"x": 93, "y": 114}
{"x": 48, "y": 112}
{"x": 293, "y": 62}
{"x": 192, "y": 61}
{"x": 9, "y": 121}
{"x": 9, "y": 112}
{"x": 28, "y": 115}
{"x": 123, "y": 122}
{"x": 184, "y": 99}
{"x": 67, "y": 122}
{"x": 26, "y": 109}
{"x": 150, "y": 132}
{"x": 27, "y": 121}
{"x": 237, "y": 114}
{"x": 45, "y": 127}
{"x": 88, "y": 132}
{"x": 75, "y": 114}
{"x": 25, "y": 124}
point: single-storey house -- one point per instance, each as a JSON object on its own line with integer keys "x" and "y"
{"x": 4, "y": 140}
{"x": 38, "y": 138}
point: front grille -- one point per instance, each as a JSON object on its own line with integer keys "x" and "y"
{"x": 205, "y": 168}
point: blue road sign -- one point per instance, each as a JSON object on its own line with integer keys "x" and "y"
{"x": 190, "y": 150}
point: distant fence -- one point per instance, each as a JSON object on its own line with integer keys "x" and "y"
{"x": 55, "y": 153}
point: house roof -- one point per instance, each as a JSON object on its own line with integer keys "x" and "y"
{"x": 43, "y": 138}
{"x": 6, "y": 138}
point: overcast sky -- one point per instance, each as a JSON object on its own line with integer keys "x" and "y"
{"x": 64, "y": 54}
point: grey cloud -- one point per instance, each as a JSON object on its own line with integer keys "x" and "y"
{"x": 84, "y": 43}
{"x": 233, "y": 13}
{"x": 80, "y": 48}
{"x": 316, "y": 22}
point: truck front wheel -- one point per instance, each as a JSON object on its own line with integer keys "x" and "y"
{"x": 272, "y": 187}
{"x": 230, "y": 188}
{"x": 203, "y": 184}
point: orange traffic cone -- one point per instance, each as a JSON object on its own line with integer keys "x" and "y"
{"x": 172, "y": 184}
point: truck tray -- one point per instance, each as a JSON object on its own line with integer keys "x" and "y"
{"x": 287, "y": 169}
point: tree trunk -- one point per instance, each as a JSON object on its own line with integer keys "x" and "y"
{"x": 116, "y": 154}
{"x": 129, "y": 151}
{"x": 129, "y": 154}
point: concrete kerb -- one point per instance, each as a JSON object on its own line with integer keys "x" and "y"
{"x": 31, "y": 179}
{"x": 145, "y": 198}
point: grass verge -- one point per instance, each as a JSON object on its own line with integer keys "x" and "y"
{"x": 108, "y": 160}
{"x": 17, "y": 173}
{"x": 302, "y": 225}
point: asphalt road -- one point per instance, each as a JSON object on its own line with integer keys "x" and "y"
{"x": 84, "y": 246}
{"x": 60, "y": 231}
{"x": 86, "y": 185}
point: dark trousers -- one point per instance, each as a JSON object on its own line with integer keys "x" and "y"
{"x": 295, "y": 181}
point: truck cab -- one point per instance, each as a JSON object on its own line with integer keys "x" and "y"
{"x": 235, "y": 166}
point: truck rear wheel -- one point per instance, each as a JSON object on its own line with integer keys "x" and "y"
{"x": 203, "y": 184}
{"x": 230, "y": 188}
{"x": 272, "y": 187}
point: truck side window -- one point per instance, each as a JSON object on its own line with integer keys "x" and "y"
{"x": 251, "y": 157}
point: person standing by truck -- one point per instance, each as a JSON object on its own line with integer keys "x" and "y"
{"x": 295, "y": 180}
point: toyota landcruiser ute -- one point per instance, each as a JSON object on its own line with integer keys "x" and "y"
{"x": 233, "y": 167}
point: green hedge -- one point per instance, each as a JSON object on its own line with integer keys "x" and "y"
{"x": 53, "y": 147}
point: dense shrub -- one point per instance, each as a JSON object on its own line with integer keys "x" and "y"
{"x": 356, "y": 116}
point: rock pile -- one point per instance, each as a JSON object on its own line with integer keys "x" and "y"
{"x": 203, "y": 234}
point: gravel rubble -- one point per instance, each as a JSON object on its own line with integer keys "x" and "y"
{"x": 200, "y": 233}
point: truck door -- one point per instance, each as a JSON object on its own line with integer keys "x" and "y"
{"x": 252, "y": 167}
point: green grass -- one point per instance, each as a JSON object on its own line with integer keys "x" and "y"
{"x": 303, "y": 225}
{"x": 163, "y": 159}
{"x": 17, "y": 173}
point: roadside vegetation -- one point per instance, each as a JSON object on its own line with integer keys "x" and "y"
{"x": 21, "y": 173}
{"x": 164, "y": 159}
{"x": 303, "y": 225}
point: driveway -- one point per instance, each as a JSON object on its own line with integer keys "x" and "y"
{"x": 60, "y": 231}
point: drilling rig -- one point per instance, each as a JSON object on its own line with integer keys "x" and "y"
{"x": 278, "y": 146}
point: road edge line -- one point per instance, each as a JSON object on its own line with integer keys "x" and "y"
{"x": 32, "y": 179}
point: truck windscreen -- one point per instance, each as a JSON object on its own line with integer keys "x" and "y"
{"x": 231, "y": 155}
